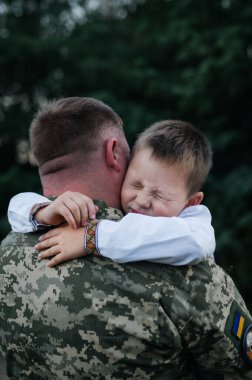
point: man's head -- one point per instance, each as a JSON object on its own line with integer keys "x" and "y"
{"x": 79, "y": 145}
{"x": 170, "y": 162}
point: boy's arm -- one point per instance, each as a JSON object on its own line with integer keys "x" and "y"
{"x": 27, "y": 211}
{"x": 183, "y": 240}
{"x": 19, "y": 211}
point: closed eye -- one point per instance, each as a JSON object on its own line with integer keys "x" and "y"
{"x": 137, "y": 185}
{"x": 158, "y": 196}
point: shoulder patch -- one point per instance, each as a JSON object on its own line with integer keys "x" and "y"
{"x": 239, "y": 329}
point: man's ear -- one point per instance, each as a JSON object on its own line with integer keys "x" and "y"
{"x": 196, "y": 199}
{"x": 112, "y": 154}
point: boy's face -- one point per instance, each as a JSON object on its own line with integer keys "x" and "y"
{"x": 152, "y": 187}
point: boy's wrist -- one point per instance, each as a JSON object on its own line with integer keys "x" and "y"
{"x": 37, "y": 224}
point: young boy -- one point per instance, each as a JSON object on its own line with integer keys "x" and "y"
{"x": 169, "y": 164}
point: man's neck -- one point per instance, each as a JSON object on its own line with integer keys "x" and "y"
{"x": 111, "y": 198}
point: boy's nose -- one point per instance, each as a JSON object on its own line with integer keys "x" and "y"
{"x": 143, "y": 199}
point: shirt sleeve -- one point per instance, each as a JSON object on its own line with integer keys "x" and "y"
{"x": 186, "y": 239}
{"x": 19, "y": 211}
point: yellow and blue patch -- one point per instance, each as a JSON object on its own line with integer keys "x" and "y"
{"x": 239, "y": 329}
{"x": 238, "y": 325}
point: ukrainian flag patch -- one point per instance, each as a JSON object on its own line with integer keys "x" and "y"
{"x": 239, "y": 330}
{"x": 238, "y": 325}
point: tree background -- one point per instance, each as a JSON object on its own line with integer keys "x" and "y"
{"x": 150, "y": 60}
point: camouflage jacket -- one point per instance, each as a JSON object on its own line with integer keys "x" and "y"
{"x": 95, "y": 319}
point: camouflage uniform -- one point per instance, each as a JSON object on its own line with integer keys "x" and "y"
{"x": 95, "y": 319}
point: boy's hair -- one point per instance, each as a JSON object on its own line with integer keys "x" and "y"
{"x": 70, "y": 125}
{"x": 179, "y": 143}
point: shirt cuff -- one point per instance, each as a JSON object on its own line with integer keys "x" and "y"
{"x": 36, "y": 226}
{"x": 91, "y": 239}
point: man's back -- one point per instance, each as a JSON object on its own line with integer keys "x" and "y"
{"x": 88, "y": 319}
{"x": 95, "y": 319}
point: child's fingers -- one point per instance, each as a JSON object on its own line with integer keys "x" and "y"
{"x": 52, "y": 251}
{"x": 91, "y": 213}
{"x": 84, "y": 214}
{"x": 91, "y": 210}
{"x": 58, "y": 259}
{"x": 47, "y": 243}
{"x": 70, "y": 210}
{"x": 87, "y": 206}
{"x": 49, "y": 234}
{"x": 77, "y": 209}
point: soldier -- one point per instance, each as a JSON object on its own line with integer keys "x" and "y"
{"x": 97, "y": 319}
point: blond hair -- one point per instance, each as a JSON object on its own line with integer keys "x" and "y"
{"x": 179, "y": 143}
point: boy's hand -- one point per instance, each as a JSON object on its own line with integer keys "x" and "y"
{"x": 64, "y": 243}
{"x": 71, "y": 207}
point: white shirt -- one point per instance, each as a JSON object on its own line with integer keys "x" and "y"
{"x": 182, "y": 240}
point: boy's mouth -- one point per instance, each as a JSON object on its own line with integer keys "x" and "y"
{"x": 134, "y": 211}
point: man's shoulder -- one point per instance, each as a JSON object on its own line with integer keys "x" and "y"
{"x": 200, "y": 285}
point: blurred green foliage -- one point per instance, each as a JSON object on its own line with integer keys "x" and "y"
{"x": 150, "y": 60}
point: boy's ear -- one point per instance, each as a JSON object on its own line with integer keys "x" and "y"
{"x": 196, "y": 199}
{"x": 112, "y": 154}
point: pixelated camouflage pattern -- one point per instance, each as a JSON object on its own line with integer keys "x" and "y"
{"x": 105, "y": 212}
{"x": 95, "y": 319}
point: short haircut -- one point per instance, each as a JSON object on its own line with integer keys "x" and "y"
{"x": 179, "y": 143}
{"x": 70, "y": 125}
